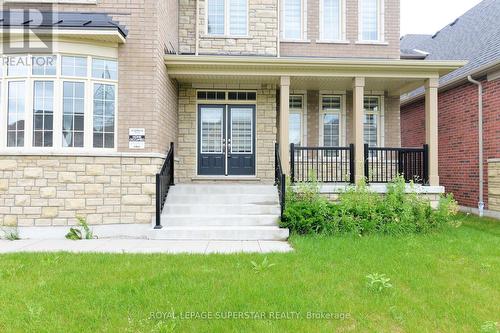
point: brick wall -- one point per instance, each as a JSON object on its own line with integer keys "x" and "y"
{"x": 54, "y": 190}
{"x": 146, "y": 97}
{"x": 458, "y": 131}
{"x": 262, "y": 31}
{"x": 351, "y": 48}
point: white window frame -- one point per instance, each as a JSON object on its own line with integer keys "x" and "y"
{"x": 381, "y": 23}
{"x": 303, "y": 23}
{"x": 303, "y": 115}
{"x": 58, "y": 80}
{"x": 380, "y": 116}
{"x": 342, "y": 24}
{"x": 227, "y": 21}
{"x": 342, "y": 117}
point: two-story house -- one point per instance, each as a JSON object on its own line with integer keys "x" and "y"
{"x": 87, "y": 118}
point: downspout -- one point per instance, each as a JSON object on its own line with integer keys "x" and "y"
{"x": 197, "y": 29}
{"x": 279, "y": 29}
{"x": 480, "y": 204}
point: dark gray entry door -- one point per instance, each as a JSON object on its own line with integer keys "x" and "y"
{"x": 226, "y": 140}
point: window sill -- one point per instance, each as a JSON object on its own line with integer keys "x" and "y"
{"x": 206, "y": 36}
{"x": 78, "y": 152}
{"x": 344, "y": 42}
{"x": 368, "y": 42}
{"x": 303, "y": 41}
{"x": 73, "y": 2}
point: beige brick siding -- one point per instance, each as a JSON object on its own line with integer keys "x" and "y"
{"x": 146, "y": 97}
{"x": 350, "y": 49}
{"x": 266, "y": 132}
{"x": 262, "y": 31}
{"x": 53, "y": 190}
{"x": 494, "y": 185}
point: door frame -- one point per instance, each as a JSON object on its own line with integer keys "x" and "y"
{"x": 224, "y": 103}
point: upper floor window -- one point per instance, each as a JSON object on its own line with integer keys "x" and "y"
{"x": 371, "y": 20}
{"x": 292, "y": 19}
{"x": 56, "y": 101}
{"x": 227, "y": 17}
{"x": 331, "y": 20}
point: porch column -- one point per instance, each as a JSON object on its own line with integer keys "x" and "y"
{"x": 358, "y": 91}
{"x": 431, "y": 128}
{"x": 284, "y": 105}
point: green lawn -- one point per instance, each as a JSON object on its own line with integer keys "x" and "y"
{"x": 443, "y": 282}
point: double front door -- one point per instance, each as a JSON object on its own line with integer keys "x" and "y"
{"x": 226, "y": 140}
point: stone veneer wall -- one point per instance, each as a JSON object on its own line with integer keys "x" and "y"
{"x": 266, "y": 132}
{"x": 53, "y": 190}
{"x": 262, "y": 31}
{"x": 494, "y": 184}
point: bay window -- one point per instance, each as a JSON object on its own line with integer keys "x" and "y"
{"x": 58, "y": 102}
{"x": 331, "y": 20}
{"x": 371, "y": 16}
{"x": 227, "y": 17}
{"x": 292, "y": 19}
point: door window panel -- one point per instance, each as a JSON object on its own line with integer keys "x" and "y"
{"x": 241, "y": 130}
{"x": 295, "y": 128}
{"x": 331, "y": 130}
{"x": 211, "y": 130}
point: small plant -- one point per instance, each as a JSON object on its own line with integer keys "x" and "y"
{"x": 76, "y": 233}
{"x": 490, "y": 327}
{"x": 263, "y": 266}
{"x": 378, "y": 282}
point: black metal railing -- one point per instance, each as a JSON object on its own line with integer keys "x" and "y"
{"x": 324, "y": 164}
{"x": 164, "y": 179}
{"x": 382, "y": 165}
{"x": 279, "y": 178}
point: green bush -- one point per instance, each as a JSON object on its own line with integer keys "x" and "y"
{"x": 360, "y": 211}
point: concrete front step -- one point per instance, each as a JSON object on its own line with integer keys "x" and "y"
{"x": 219, "y": 220}
{"x": 222, "y": 199}
{"x": 273, "y": 233}
{"x": 211, "y": 189}
{"x": 213, "y": 209}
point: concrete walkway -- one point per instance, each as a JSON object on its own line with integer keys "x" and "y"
{"x": 143, "y": 246}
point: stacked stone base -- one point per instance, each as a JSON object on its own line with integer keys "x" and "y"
{"x": 54, "y": 190}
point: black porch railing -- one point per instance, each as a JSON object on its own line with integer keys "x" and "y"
{"x": 164, "y": 179}
{"x": 279, "y": 178}
{"x": 325, "y": 164}
{"x": 382, "y": 165}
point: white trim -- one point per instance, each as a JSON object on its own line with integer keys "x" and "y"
{"x": 381, "y": 24}
{"x": 342, "y": 24}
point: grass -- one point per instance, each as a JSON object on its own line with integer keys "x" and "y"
{"x": 443, "y": 282}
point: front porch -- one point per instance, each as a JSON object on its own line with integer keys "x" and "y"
{"x": 327, "y": 108}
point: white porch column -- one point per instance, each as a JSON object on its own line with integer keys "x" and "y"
{"x": 284, "y": 106}
{"x": 358, "y": 91}
{"x": 431, "y": 128}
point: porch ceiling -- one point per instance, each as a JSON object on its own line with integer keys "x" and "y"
{"x": 395, "y": 76}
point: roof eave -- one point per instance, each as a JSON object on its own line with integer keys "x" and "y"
{"x": 95, "y": 33}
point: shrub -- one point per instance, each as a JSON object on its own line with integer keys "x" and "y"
{"x": 76, "y": 233}
{"x": 360, "y": 211}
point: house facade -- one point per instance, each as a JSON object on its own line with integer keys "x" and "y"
{"x": 88, "y": 121}
{"x": 473, "y": 36}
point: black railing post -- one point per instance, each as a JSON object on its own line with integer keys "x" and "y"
{"x": 276, "y": 147}
{"x": 172, "y": 165}
{"x": 283, "y": 194}
{"x": 292, "y": 163}
{"x": 158, "y": 202}
{"x": 367, "y": 170}
{"x": 352, "y": 170}
{"x": 425, "y": 181}
{"x": 401, "y": 163}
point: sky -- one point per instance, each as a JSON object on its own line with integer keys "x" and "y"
{"x": 429, "y": 16}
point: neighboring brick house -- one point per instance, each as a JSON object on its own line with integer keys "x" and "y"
{"x": 224, "y": 80}
{"x": 475, "y": 36}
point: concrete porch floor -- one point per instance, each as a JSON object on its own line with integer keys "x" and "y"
{"x": 143, "y": 246}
